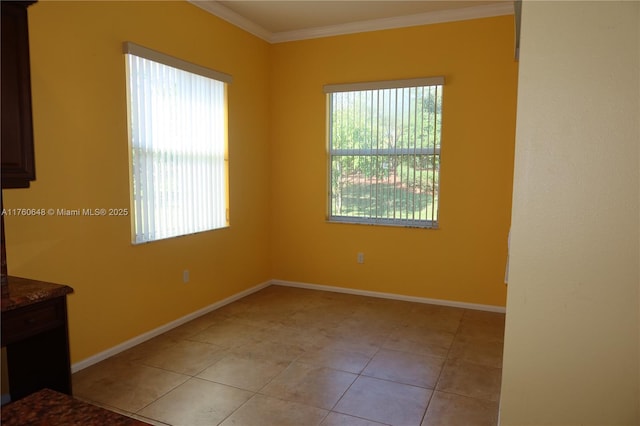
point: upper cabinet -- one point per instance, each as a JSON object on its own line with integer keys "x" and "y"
{"x": 18, "y": 165}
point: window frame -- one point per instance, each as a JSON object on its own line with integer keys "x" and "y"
{"x": 432, "y": 151}
{"x": 143, "y": 208}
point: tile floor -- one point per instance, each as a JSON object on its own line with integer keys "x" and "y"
{"x": 291, "y": 356}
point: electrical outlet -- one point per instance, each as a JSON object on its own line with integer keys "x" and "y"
{"x": 185, "y": 276}
{"x": 360, "y": 257}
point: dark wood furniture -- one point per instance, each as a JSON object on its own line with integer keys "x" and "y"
{"x": 18, "y": 165}
{"x": 35, "y": 335}
{"x": 34, "y": 313}
{"x": 17, "y": 158}
{"x": 47, "y": 407}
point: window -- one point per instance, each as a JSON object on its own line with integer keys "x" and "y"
{"x": 384, "y": 152}
{"x": 178, "y": 145}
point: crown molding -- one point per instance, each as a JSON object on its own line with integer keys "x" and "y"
{"x": 462, "y": 14}
{"x": 475, "y": 12}
{"x": 233, "y": 18}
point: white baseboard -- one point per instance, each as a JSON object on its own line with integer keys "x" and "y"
{"x": 173, "y": 324}
{"x": 162, "y": 329}
{"x": 465, "y": 305}
{"x": 6, "y": 398}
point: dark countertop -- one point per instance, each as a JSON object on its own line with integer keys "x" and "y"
{"x": 50, "y": 408}
{"x": 25, "y": 291}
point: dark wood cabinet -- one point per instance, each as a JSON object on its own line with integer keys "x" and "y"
{"x": 34, "y": 313}
{"x": 18, "y": 164}
{"x": 35, "y": 335}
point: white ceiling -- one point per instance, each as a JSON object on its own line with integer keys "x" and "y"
{"x": 278, "y": 21}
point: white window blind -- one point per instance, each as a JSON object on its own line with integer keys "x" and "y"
{"x": 178, "y": 145}
{"x": 384, "y": 151}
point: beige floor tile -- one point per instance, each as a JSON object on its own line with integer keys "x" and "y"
{"x": 380, "y": 313}
{"x": 384, "y": 401}
{"x": 266, "y": 349}
{"x": 228, "y": 334}
{"x": 484, "y": 317}
{"x": 337, "y": 419}
{"x": 481, "y": 333}
{"x": 311, "y": 385}
{"x": 404, "y": 367}
{"x": 185, "y": 357}
{"x": 419, "y": 340}
{"x": 367, "y": 343}
{"x": 372, "y": 325}
{"x": 281, "y": 333}
{"x": 245, "y": 373}
{"x": 362, "y": 330}
{"x": 186, "y": 331}
{"x": 477, "y": 351}
{"x": 146, "y": 349}
{"x": 352, "y": 362}
{"x": 434, "y": 317}
{"x": 195, "y": 326}
{"x": 196, "y": 402}
{"x": 447, "y": 409}
{"x": 125, "y": 386}
{"x": 486, "y": 326}
{"x": 152, "y": 422}
{"x": 323, "y": 317}
{"x": 265, "y": 411}
{"x": 371, "y": 361}
{"x": 472, "y": 380}
{"x": 263, "y": 316}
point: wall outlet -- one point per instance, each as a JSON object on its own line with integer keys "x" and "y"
{"x": 360, "y": 257}
{"x": 185, "y": 276}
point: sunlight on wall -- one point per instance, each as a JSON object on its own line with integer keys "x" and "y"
{"x": 80, "y": 127}
{"x": 277, "y": 167}
{"x": 465, "y": 259}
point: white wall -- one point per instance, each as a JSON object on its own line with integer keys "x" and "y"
{"x": 572, "y": 333}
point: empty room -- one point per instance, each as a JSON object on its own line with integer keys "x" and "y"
{"x": 313, "y": 212}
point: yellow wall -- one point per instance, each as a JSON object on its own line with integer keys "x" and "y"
{"x": 571, "y": 353}
{"x": 465, "y": 259}
{"x": 277, "y": 167}
{"x": 80, "y": 126}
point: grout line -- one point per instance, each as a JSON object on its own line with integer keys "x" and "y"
{"x": 424, "y": 415}
{"x": 238, "y": 407}
{"x": 305, "y": 305}
{"x": 166, "y": 393}
{"x": 444, "y": 365}
{"x": 149, "y": 419}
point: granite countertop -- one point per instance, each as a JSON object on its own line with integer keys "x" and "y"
{"x": 47, "y": 407}
{"x": 25, "y": 291}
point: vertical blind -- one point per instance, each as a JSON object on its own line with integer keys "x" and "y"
{"x": 384, "y": 149}
{"x": 178, "y": 134}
